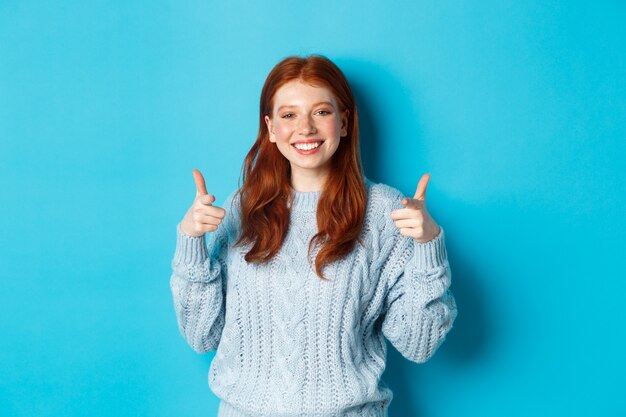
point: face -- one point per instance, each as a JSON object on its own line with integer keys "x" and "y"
{"x": 306, "y": 126}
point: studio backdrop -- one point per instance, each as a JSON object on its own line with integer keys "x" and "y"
{"x": 516, "y": 109}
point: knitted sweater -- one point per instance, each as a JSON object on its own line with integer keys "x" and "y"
{"x": 290, "y": 344}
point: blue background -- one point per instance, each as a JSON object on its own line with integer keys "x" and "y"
{"x": 517, "y": 109}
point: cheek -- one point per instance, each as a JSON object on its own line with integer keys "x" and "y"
{"x": 282, "y": 130}
{"x": 333, "y": 125}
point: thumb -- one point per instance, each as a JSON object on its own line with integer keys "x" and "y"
{"x": 420, "y": 193}
{"x": 200, "y": 185}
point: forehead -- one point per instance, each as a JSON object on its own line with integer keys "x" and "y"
{"x": 298, "y": 93}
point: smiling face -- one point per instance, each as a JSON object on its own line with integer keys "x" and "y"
{"x": 306, "y": 125}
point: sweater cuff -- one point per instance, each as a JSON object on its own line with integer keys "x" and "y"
{"x": 190, "y": 250}
{"x": 431, "y": 254}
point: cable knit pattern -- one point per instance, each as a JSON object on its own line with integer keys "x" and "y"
{"x": 291, "y": 345}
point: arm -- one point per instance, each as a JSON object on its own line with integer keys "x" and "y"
{"x": 198, "y": 285}
{"x": 419, "y": 308}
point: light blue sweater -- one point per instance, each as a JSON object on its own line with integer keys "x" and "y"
{"x": 290, "y": 344}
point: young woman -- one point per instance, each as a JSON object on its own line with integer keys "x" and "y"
{"x": 309, "y": 265}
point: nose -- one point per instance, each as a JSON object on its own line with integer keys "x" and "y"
{"x": 307, "y": 126}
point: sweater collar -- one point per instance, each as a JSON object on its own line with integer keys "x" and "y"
{"x": 305, "y": 200}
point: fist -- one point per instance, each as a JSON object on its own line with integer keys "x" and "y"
{"x": 414, "y": 220}
{"x": 202, "y": 216}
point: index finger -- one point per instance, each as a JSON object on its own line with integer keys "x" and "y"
{"x": 413, "y": 203}
{"x": 404, "y": 213}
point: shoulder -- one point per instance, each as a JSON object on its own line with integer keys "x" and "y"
{"x": 233, "y": 200}
{"x": 232, "y": 206}
{"x": 382, "y": 197}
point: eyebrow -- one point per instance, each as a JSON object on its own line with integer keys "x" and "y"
{"x": 314, "y": 105}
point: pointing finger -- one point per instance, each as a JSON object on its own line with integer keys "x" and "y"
{"x": 207, "y": 199}
{"x": 404, "y": 213}
{"x": 413, "y": 203}
{"x": 200, "y": 185}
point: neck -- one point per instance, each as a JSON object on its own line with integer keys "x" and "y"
{"x": 308, "y": 180}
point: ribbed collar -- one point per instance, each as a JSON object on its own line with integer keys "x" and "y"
{"x": 305, "y": 200}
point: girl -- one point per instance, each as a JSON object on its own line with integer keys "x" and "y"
{"x": 309, "y": 265}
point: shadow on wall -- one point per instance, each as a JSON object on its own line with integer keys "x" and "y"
{"x": 363, "y": 78}
{"x": 470, "y": 333}
{"x": 464, "y": 345}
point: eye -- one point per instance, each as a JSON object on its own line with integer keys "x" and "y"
{"x": 288, "y": 116}
{"x": 324, "y": 112}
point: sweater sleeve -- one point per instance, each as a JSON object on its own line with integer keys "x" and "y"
{"x": 198, "y": 284}
{"x": 419, "y": 308}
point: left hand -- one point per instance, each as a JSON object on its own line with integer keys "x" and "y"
{"x": 414, "y": 220}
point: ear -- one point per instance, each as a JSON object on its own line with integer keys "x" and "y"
{"x": 344, "y": 123}
{"x": 270, "y": 128}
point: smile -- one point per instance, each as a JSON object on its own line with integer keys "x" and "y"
{"x": 307, "y": 146}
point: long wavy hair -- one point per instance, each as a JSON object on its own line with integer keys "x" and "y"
{"x": 266, "y": 195}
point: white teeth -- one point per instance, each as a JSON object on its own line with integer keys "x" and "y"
{"x": 307, "y": 146}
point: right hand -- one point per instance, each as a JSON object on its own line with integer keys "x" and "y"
{"x": 202, "y": 216}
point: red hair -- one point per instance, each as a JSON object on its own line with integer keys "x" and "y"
{"x": 266, "y": 190}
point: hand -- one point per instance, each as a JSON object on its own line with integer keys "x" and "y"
{"x": 414, "y": 220}
{"x": 202, "y": 217}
